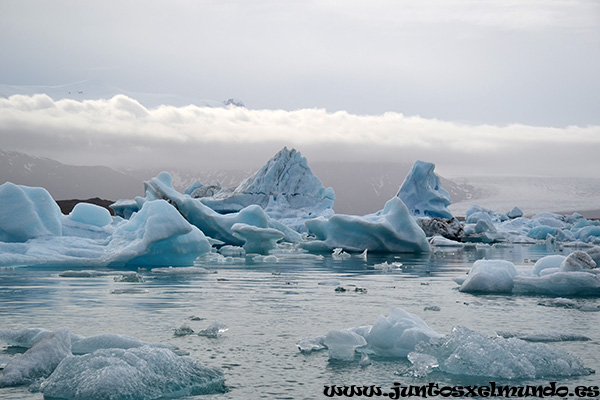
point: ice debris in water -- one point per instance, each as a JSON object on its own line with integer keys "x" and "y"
{"x": 308, "y": 345}
{"x": 39, "y": 361}
{"x": 138, "y": 373}
{"x": 112, "y": 367}
{"x": 341, "y": 345}
{"x": 181, "y": 271}
{"x": 547, "y": 336}
{"x": 490, "y": 276}
{"x": 214, "y": 330}
{"x": 465, "y": 352}
{"x": 183, "y": 330}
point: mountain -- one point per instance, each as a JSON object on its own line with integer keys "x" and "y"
{"x": 67, "y": 181}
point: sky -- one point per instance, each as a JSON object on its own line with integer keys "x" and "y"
{"x": 478, "y": 87}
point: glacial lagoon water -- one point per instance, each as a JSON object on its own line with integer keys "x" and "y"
{"x": 270, "y": 306}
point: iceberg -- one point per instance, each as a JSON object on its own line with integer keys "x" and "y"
{"x": 90, "y": 214}
{"x": 39, "y": 361}
{"x": 555, "y": 275}
{"x": 423, "y": 194}
{"x": 137, "y": 373}
{"x": 27, "y": 213}
{"x": 390, "y": 230}
{"x": 466, "y": 352}
{"x": 285, "y": 188}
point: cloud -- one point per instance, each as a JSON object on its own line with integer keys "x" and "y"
{"x": 122, "y": 132}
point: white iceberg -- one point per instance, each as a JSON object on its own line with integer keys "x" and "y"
{"x": 423, "y": 194}
{"x": 390, "y": 230}
{"x": 490, "y": 276}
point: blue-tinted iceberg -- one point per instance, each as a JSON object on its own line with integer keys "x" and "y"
{"x": 34, "y": 232}
{"x": 423, "y": 194}
{"x": 575, "y": 275}
{"x": 27, "y": 213}
{"x": 390, "y": 230}
{"x": 285, "y": 188}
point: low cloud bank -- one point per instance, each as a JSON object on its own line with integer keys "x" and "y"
{"x": 122, "y": 132}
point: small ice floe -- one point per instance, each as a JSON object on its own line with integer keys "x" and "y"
{"x": 431, "y": 308}
{"x": 329, "y": 282}
{"x": 340, "y": 254}
{"x": 214, "y": 330}
{"x": 559, "y": 302}
{"x": 386, "y": 267}
{"x": 360, "y": 290}
{"x": 182, "y": 271}
{"x": 308, "y": 345}
{"x": 440, "y": 241}
{"x": 363, "y": 255}
{"x": 548, "y": 336}
{"x": 232, "y": 251}
{"x": 342, "y": 345}
{"x": 87, "y": 273}
{"x": 129, "y": 291}
{"x": 130, "y": 277}
{"x": 183, "y": 330}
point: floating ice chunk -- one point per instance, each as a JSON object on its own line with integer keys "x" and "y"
{"x": 552, "y": 261}
{"x": 341, "y": 345}
{"x": 515, "y": 213}
{"x": 364, "y": 360}
{"x": 398, "y": 334}
{"x": 157, "y": 235}
{"x": 308, "y": 345}
{"x": 548, "y": 271}
{"x": 440, "y": 241}
{"x": 465, "y": 352}
{"x": 339, "y": 254}
{"x": 232, "y": 251}
{"x": 257, "y": 240}
{"x": 423, "y": 194}
{"x": 578, "y": 261}
{"x": 130, "y": 277}
{"x": 547, "y": 336}
{"x": 26, "y": 337}
{"x": 181, "y": 271}
{"x": 87, "y": 273}
{"x": 214, "y": 330}
{"x": 90, "y": 214}
{"x": 559, "y": 302}
{"x": 390, "y": 230}
{"x": 27, "y": 213}
{"x": 138, "y": 373}
{"x": 183, "y": 330}
{"x": 575, "y": 283}
{"x": 490, "y": 276}
{"x": 39, "y": 361}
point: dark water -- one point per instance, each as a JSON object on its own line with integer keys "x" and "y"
{"x": 268, "y": 307}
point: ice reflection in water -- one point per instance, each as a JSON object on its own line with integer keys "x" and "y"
{"x": 269, "y": 306}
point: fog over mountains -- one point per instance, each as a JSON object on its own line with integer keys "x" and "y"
{"x": 360, "y": 188}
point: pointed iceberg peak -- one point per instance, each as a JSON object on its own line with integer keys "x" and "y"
{"x": 423, "y": 194}
{"x": 285, "y": 187}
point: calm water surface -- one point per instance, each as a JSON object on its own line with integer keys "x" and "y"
{"x": 270, "y": 306}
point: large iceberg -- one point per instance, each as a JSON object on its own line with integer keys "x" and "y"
{"x": 423, "y": 194}
{"x": 35, "y": 232}
{"x": 391, "y": 230}
{"x": 285, "y": 188}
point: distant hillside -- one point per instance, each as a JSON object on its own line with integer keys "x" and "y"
{"x": 67, "y": 181}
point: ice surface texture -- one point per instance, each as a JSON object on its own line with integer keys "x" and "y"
{"x": 423, "y": 194}
{"x": 465, "y": 352}
{"x": 137, "y": 373}
{"x": 285, "y": 188}
{"x": 112, "y": 367}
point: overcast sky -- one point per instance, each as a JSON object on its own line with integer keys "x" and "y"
{"x": 488, "y": 86}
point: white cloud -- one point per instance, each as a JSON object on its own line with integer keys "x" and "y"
{"x": 121, "y": 131}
